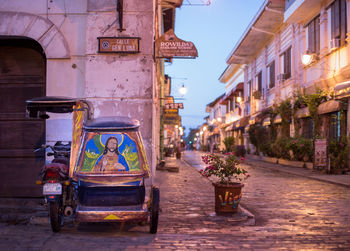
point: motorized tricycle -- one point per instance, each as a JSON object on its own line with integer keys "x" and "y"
{"x": 102, "y": 179}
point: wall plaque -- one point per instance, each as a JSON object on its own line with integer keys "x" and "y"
{"x": 118, "y": 44}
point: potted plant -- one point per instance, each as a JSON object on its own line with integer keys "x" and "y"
{"x": 257, "y": 94}
{"x": 228, "y": 187}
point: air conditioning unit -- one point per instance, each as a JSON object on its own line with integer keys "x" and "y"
{"x": 334, "y": 44}
{"x": 281, "y": 77}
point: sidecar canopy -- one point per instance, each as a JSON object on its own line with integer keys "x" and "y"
{"x": 112, "y": 124}
{"x": 54, "y": 104}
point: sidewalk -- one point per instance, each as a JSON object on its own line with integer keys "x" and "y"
{"x": 337, "y": 179}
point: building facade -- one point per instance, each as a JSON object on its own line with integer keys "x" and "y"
{"x": 295, "y": 56}
{"x": 52, "y": 48}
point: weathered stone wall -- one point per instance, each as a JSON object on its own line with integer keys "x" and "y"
{"x": 116, "y": 84}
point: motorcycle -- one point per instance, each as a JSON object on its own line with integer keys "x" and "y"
{"x": 56, "y": 185}
{"x": 103, "y": 178}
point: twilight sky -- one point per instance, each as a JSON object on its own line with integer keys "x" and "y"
{"x": 214, "y": 29}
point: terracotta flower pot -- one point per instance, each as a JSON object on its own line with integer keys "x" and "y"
{"x": 227, "y": 197}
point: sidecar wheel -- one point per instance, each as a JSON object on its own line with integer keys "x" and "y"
{"x": 55, "y": 216}
{"x": 154, "y": 210}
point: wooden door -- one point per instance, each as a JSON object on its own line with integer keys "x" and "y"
{"x": 22, "y": 76}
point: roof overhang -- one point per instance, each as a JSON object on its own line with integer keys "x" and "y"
{"x": 229, "y": 72}
{"x": 302, "y": 11}
{"x": 262, "y": 28}
{"x": 234, "y": 92}
{"x": 342, "y": 90}
{"x": 171, "y": 3}
{"x": 212, "y": 104}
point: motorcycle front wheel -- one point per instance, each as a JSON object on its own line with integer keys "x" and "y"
{"x": 55, "y": 216}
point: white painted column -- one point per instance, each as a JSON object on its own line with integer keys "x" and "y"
{"x": 323, "y": 32}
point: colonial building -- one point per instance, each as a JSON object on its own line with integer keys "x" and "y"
{"x": 102, "y": 51}
{"x": 235, "y": 121}
{"x": 294, "y": 49}
{"x": 215, "y": 119}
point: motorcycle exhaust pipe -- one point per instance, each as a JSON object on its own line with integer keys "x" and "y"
{"x": 68, "y": 211}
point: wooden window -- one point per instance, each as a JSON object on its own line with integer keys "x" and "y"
{"x": 338, "y": 20}
{"x": 271, "y": 75}
{"x": 259, "y": 81}
{"x": 231, "y": 104}
{"x": 335, "y": 126}
{"x": 249, "y": 89}
{"x": 308, "y": 128}
{"x": 286, "y": 63}
{"x": 313, "y": 35}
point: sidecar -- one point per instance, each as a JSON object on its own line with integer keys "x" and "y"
{"x": 108, "y": 165}
{"x": 110, "y": 174}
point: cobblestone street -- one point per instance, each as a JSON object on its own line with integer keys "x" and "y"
{"x": 291, "y": 213}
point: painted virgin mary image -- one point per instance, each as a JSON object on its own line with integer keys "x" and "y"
{"x": 111, "y": 158}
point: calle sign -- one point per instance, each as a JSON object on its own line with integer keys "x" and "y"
{"x": 170, "y": 46}
{"x": 118, "y": 44}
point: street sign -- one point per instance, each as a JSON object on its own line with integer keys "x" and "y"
{"x": 321, "y": 153}
{"x": 171, "y": 112}
{"x": 174, "y": 106}
{"x": 172, "y": 120}
{"x": 118, "y": 44}
{"x": 170, "y": 46}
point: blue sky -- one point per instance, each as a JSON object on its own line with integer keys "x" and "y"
{"x": 214, "y": 29}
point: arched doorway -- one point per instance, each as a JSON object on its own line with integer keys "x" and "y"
{"x": 22, "y": 76}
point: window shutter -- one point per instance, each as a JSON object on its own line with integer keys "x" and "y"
{"x": 287, "y": 63}
{"x": 342, "y": 21}
{"x": 272, "y": 74}
{"x": 311, "y": 36}
{"x": 336, "y": 19}
{"x": 317, "y": 35}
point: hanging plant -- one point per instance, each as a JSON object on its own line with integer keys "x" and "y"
{"x": 257, "y": 94}
{"x": 313, "y": 101}
{"x": 298, "y": 103}
{"x": 284, "y": 109}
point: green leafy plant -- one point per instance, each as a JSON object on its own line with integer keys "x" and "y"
{"x": 313, "y": 101}
{"x": 280, "y": 148}
{"x": 284, "y": 109}
{"x": 257, "y": 136}
{"x": 229, "y": 143}
{"x": 298, "y": 103}
{"x": 301, "y": 148}
{"x": 227, "y": 169}
{"x": 266, "y": 149}
{"x": 338, "y": 153}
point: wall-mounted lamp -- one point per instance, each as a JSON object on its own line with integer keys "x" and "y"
{"x": 308, "y": 58}
{"x": 239, "y": 99}
{"x": 183, "y": 90}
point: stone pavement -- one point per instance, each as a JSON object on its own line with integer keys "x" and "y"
{"x": 291, "y": 212}
{"x": 338, "y": 179}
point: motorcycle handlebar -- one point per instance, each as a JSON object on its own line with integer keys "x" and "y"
{"x": 53, "y": 150}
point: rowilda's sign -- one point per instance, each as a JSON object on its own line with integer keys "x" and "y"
{"x": 170, "y": 46}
